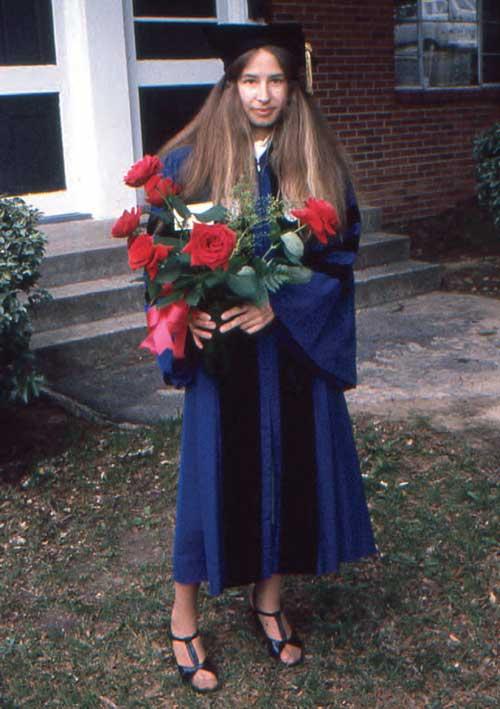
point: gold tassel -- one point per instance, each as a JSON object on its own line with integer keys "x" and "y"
{"x": 309, "y": 69}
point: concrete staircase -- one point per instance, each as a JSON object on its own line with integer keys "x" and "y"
{"x": 96, "y": 314}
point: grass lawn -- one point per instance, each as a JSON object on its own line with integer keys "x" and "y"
{"x": 86, "y": 530}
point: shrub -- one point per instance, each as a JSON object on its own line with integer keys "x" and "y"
{"x": 21, "y": 252}
{"x": 487, "y": 155}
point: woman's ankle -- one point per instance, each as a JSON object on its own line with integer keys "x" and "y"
{"x": 183, "y": 621}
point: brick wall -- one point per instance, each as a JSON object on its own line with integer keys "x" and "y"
{"x": 412, "y": 154}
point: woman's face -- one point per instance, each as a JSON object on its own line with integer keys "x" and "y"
{"x": 263, "y": 90}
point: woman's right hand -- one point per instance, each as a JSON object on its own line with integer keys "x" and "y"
{"x": 200, "y": 324}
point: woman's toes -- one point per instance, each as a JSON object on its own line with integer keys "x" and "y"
{"x": 291, "y": 654}
{"x": 204, "y": 679}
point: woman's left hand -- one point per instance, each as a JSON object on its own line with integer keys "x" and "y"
{"x": 248, "y": 318}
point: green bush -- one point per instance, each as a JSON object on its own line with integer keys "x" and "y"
{"x": 21, "y": 251}
{"x": 487, "y": 155}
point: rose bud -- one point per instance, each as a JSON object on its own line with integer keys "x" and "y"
{"x": 127, "y": 223}
{"x": 158, "y": 188}
{"x": 142, "y": 171}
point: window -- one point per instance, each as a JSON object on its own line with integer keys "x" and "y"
{"x": 447, "y": 43}
{"x": 31, "y": 159}
{"x": 170, "y": 63}
{"x": 26, "y": 33}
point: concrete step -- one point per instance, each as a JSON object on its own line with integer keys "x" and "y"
{"x": 84, "y": 250}
{"x": 379, "y": 247}
{"x": 81, "y": 251}
{"x": 91, "y": 344}
{"x": 371, "y": 218}
{"x": 83, "y": 302}
{"x": 76, "y": 303}
{"x": 395, "y": 281}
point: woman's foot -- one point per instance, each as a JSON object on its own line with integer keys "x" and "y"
{"x": 276, "y": 627}
{"x": 203, "y": 679}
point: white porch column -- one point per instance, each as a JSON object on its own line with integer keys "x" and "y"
{"x": 110, "y": 136}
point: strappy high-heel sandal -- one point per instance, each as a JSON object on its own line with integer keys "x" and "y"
{"x": 187, "y": 672}
{"x": 274, "y": 646}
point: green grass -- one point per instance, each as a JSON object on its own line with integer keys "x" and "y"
{"x": 85, "y": 587}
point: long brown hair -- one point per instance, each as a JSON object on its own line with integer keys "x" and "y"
{"x": 306, "y": 156}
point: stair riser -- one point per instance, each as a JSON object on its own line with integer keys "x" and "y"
{"x": 382, "y": 252}
{"x": 83, "y": 266}
{"x": 371, "y": 219}
{"x": 78, "y": 309}
{"x": 397, "y": 287}
{"x": 93, "y": 352}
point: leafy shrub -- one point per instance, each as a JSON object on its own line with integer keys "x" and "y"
{"x": 487, "y": 155}
{"x": 21, "y": 251}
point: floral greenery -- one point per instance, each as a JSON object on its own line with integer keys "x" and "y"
{"x": 487, "y": 155}
{"x": 245, "y": 275}
{"x": 21, "y": 252}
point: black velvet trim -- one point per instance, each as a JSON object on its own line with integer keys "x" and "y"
{"x": 299, "y": 500}
{"x": 241, "y": 466}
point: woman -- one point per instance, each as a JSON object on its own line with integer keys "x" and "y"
{"x": 269, "y": 480}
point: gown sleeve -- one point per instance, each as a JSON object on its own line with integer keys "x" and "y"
{"x": 316, "y": 321}
{"x": 176, "y": 372}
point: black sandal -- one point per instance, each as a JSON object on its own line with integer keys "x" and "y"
{"x": 276, "y": 646}
{"x": 187, "y": 672}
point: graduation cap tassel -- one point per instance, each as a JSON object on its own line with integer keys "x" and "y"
{"x": 309, "y": 71}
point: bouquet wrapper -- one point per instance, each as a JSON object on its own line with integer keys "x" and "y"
{"x": 167, "y": 329}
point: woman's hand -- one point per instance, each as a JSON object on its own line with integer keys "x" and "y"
{"x": 200, "y": 324}
{"x": 248, "y": 318}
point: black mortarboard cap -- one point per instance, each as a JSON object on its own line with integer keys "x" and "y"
{"x": 229, "y": 41}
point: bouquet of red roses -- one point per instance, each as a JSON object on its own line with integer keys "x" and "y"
{"x": 198, "y": 259}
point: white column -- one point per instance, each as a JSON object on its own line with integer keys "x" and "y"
{"x": 110, "y": 136}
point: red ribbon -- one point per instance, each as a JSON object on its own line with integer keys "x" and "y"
{"x": 167, "y": 329}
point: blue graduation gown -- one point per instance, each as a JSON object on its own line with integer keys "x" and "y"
{"x": 313, "y": 337}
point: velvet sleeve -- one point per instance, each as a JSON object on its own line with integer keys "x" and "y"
{"x": 316, "y": 320}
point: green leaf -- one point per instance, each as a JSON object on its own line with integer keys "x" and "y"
{"x": 214, "y": 278}
{"x": 168, "y": 241}
{"x": 168, "y": 276}
{"x": 168, "y": 299}
{"x": 179, "y": 206}
{"x": 244, "y": 283}
{"x": 217, "y": 213}
{"x": 299, "y": 274}
{"x": 194, "y": 297}
{"x": 294, "y": 246}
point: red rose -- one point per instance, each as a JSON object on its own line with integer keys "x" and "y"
{"x": 320, "y": 216}
{"x": 127, "y": 223}
{"x": 160, "y": 252}
{"x": 211, "y": 245}
{"x": 142, "y": 170}
{"x": 143, "y": 253}
{"x": 158, "y": 187}
{"x": 140, "y": 251}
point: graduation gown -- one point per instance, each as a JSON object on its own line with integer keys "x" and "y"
{"x": 269, "y": 477}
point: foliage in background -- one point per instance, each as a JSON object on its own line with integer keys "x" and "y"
{"x": 21, "y": 252}
{"x": 487, "y": 155}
